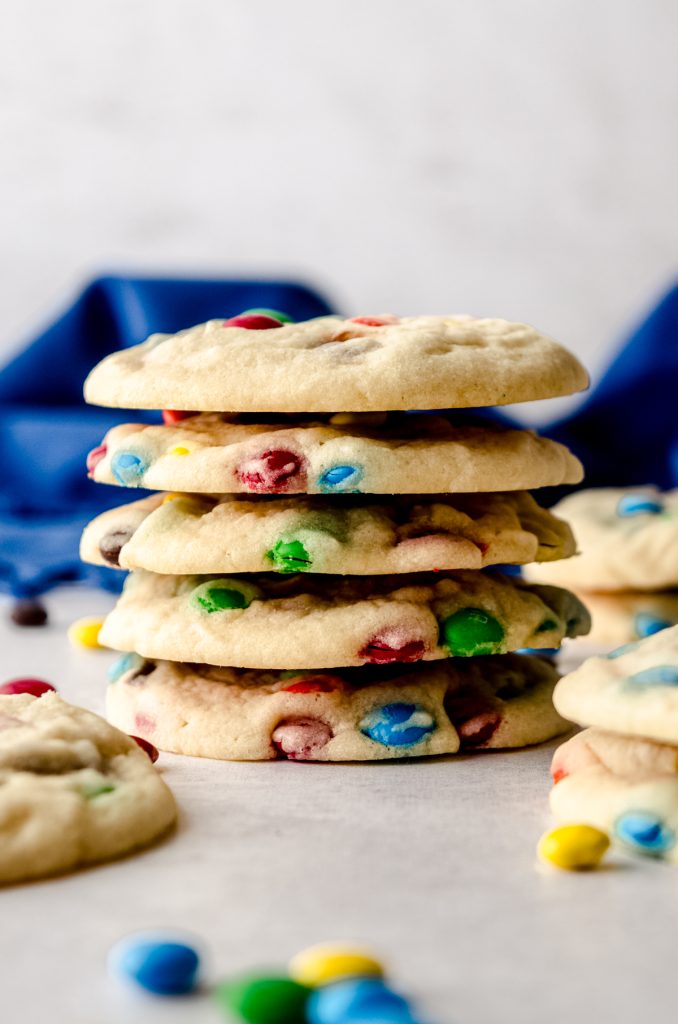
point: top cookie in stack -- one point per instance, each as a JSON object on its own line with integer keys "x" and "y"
{"x": 338, "y": 434}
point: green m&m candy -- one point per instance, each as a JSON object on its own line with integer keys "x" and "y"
{"x": 224, "y": 595}
{"x": 471, "y": 632}
{"x": 289, "y": 556}
{"x": 275, "y": 314}
{"x": 264, "y": 1000}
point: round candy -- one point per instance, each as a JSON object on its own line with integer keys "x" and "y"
{"x": 340, "y": 478}
{"x": 125, "y": 663}
{"x": 374, "y": 321}
{"x": 156, "y": 962}
{"x": 398, "y": 725}
{"x": 253, "y": 321}
{"x": 112, "y": 543}
{"x": 275, "y": 314}
{"x": 471, "y": 632}
{"x": 179, "y": 450}
{"x": 329, "y": 962}
{"x": 271, "y": 471}
{"x": 638, "y": 504}
{"x": 647, "y": 624}
{"x": 315, "y": 683}
{"x": 262, "y": 1000}
{"x": 656, "y": 675}
{"x": 224, "y": 595}
{"x": 170, "y": 416}
{"x": 36, "y": 687}
{"x": 85, "y": 633}
{"x": 381, "y": 650}
{"x": 28, "y": 611}
{"x": 624, "y": 649}
{"x": 359, "y": 1001}
{"x": 94, "y": 457}
{"x": 645, "y": 832}
{"x": 127, "y": 468}
{"x": 299, "y": 739}
{"x": 147, "y": 747}
{"x": 573, "y": 847}
{"x": 289, "y": 556}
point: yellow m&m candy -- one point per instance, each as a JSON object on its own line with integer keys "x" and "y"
{"x": 85, "y": 633}
{"x": 328, "y": 962}
{"x": 573, "y": 847}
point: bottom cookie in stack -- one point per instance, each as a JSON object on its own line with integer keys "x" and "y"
{"x": 357, "y": 714}
{"x": 621, "y": 774}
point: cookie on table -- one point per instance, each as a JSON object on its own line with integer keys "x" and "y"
{"x": 627, "y": 540}
{"x": 349, "y": 535}
{"x": 218, "y": 453}
{"x": 634, "y": 690}
{"x": 316, "y": 621}
{"x": 73, "y": 789}
{"x": 360, "y": 714}
{"x": 259, "y": 364}
{"x": 625, "y": 617}
{"x": 624, "y": 786}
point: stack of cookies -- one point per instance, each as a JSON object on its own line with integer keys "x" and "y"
{"x": 626, "y": 568}
{"x": 311, "y": 587}
{"x": 621, "y": 773}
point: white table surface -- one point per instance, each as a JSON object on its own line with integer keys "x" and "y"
{"x": 431, "y": 862}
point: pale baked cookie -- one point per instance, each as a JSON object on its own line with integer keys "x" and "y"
{"x": 360, "y": 714}
{"x": 362, "y": 364}
{"x": 634, "y": 690}
{"x": 315, "y": 621}
{"x": 399, "y": 454}
{"x": 622, "y": 618}
{"x": 627, "y": 540}
{"x": 347, "y": 535}
{"x": 73, "y": 790}
{"x": 626, "y": 787}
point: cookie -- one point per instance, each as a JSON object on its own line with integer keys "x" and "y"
{"x": 633, "y": 691}
{"x": 400, "y": 454}
{"x": 627, "y": 540}
{"x": 315, "y": 621}
{"x": 73, "y": 789}
{"x": 362, "y": 714}
{"x": 626, "y": 787}
{"x": 622, "y": 618}
{"x": 361, "y": 364}
{"x": 346, "y": 535}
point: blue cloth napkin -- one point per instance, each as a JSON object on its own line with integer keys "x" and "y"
{"x": 46, "y": 429}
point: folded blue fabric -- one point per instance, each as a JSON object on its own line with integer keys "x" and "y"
{"x": 625, "y": 432}
{"x": 46, "y": 429}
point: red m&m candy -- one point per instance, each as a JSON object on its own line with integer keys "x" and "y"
{"x": 271, "y": 471}
{"x": 253, "y": 322}
{"x": 147, "y": 747}
{"x": 36, "y": 687}
{"x": 170, "y": 416}
{"x": 94, "y": 458}
{"x": 374, "y": 321}
{"x": 315, "y": 684}
{"x": 378, "y": 651}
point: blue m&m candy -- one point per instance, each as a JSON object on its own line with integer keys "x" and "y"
{"x": 398, "y": 725}
{"x": 358, "y": 1001}
{"x": 340, "y": 478}
{"x": 128, "y": 468}
{"x": 638, "y": 504}
{"x": 645, "y": 832}
{"x": 619, "y": 652}
{"x": 647, "y": 624}
{"x": 656, "y": 675}
{"x": 125, "y": 663}
{"x": 157, "y": 962}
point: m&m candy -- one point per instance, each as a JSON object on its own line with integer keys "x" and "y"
{"x": 573, "y": 847}
{"x": 157, "y": 962}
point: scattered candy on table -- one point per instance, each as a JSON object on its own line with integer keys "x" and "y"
{"x": 157, "y": 962}
{"x": 328, "y": 962}
{"x": 573, "y": 847}
{"x": 36, "y": 687}
{"x": 259, "y": 999}
{"x": 85, "y": 633}
{"x": 358, "y": 1001}
{"x": 28, "y": 611}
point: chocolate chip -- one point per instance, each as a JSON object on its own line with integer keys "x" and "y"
{"x": 28, "y": 611}
{"x": 112, "y": 543}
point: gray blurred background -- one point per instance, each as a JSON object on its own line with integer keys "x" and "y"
{"x": 499, "y": 157}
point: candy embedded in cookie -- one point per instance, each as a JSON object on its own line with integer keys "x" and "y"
{"x": 340, "y": 480}
{"x": 471, "y": 632}
{"x": 128, "y": 468}
{"x": 224, "y": 595}
{"x": 300, "y": 739}
{"x": 645, "y": 832}
{"x": 275, "y": 471}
